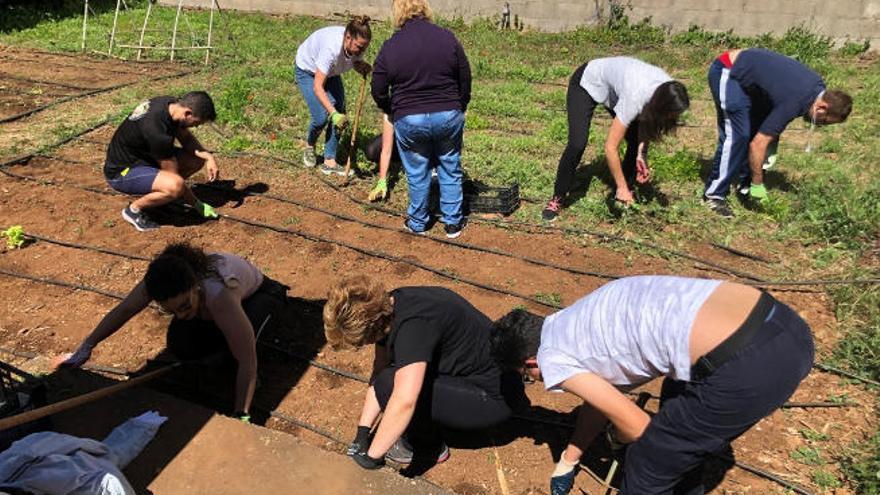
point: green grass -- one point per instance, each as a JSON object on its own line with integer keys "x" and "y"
{"x": 823, "y": 220}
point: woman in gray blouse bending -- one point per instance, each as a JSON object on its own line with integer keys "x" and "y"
{"x": 645, "y": 103}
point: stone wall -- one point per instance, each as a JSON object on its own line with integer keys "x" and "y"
{"x": 840, "y": 19}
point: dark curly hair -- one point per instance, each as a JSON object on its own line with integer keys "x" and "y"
{"x": 177, "y": 269}
{"x": 515, "y": 338}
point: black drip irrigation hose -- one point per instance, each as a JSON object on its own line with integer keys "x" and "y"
{"x": 6, "y": 75}
{"x": 391, "y": 257}
{"x": 60, "y": 64}
{"x": 509, "y": 223}
{"x": 320, "y": 239}
{"x": 459, "y": 244}
{"x": 91, "y": 92}
{"x": 750, "y": 279}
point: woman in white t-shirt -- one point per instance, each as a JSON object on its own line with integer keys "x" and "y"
{"x": 730, "y": 355}
{"x": 220, "y": 302}
{"x": 320, "y": 60}
{"x": 645, "y": 103}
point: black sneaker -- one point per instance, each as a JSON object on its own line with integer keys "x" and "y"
{"x": 140, "y": 220}
{"x": 402, "y": 452}
{"x": 453, "y": 231}
{"x": 551, "y": 211}
{"x": 719, "y": 206}
{"x": 412, "y": 230}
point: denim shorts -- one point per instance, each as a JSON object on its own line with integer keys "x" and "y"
{"x": 136, "y": 179}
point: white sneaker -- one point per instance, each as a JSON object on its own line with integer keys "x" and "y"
{"x": 309, "y": 158}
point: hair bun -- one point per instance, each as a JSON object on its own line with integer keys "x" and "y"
{"x": 362, "y": 19}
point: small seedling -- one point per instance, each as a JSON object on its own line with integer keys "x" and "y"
{"x": 813, "y": 435}
{"x": 825, "y": 479}
{"x": 810, "y": 456}
{"x": 552, "y": 298}
{"x": 14, "y": 237}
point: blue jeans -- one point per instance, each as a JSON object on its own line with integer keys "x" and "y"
{"x": 336, "y": 93}
{"x": 427, "y": 140}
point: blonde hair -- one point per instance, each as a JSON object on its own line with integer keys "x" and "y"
{"x": 404, "y": 10}
{"x": 358, "y": 312}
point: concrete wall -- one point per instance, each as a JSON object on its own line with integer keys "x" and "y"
{"x": 841, "y": 19}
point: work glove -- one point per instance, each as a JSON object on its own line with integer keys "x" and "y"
{"x": 339, "y": 120}
{"x": 205, "y": 210}
{"x": 365, "y": 461}
{"x": 758, "y": 192}
{"x": 76, "y": 358}
{"x": 361, "y": 441}
{"x": 380, "y": 191}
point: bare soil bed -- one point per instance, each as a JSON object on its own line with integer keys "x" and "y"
{"x": 29, "y": 79}
{"x": 48, "y": 320}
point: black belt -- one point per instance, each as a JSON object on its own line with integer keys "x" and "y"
{"x": 707, "y": 364}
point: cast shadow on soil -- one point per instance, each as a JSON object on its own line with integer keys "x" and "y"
{"x": 598, "y": 457}
{"x": 597, "y": 169}
{"x": 206, "y": 388}
{"x": 223, "y": 192}
{"x": 774, "y": 178}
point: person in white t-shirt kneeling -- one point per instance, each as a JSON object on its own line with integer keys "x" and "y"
{"x": 730, "y": 354}
{"x": 320, "y": 61}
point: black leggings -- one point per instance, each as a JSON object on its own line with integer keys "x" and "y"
{"x": 455, "y": 402}
{"x": 580, "y": 106}
{"x": 197, "y": 338}
{"x": 373, "y": 150}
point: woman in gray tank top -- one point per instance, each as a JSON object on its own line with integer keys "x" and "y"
{"x": 220, "y": 303}
{"x": 730, "y": 355}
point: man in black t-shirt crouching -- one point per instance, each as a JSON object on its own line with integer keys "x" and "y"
{"x": 143, "y": 160}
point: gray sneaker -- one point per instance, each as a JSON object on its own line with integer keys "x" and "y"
{"x": 719, "y": 206}
{"x": 401, "y": 452}
{"x": 338, "y": 170}
{"x": 140, "y": 220}
{"x": 309, "y": 158}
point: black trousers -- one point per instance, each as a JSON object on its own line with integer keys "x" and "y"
{"x": 456, "y": 402}
{"x": 579, "y": 106}
{"x": 197, "y": 338}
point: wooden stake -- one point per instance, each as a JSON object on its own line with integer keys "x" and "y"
{"x": 85, "y": 25}
{"x": 113, "y": 31}
{"x": 499, "y": 470}
{"x": 144, "y": 28}
{"x": 210, "y": 30}
{"x": 354, "y": 129}
{"x": 28, "y": 416}
{"x": 174, "y": 33}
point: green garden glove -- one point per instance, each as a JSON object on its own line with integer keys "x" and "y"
{"x": 380, "y": 191}
{"x": 758, "y": 191}
{"x": 205, "y": 210}
{"x": 339, "y": 120}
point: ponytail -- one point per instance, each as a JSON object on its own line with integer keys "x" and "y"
{"x": 359, "y": 27}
